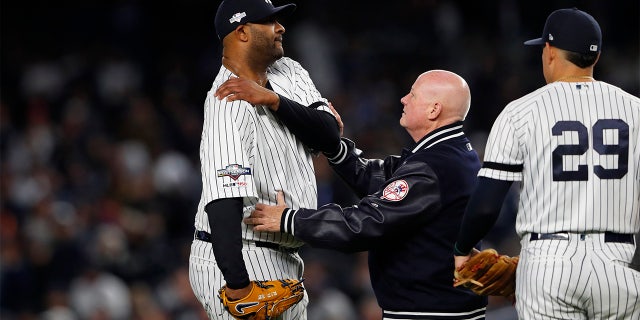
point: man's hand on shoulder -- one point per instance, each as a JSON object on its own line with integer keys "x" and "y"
{"x": 244, "y": 89}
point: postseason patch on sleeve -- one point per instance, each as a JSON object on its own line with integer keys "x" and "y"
{"x": 234, "y": 171}
{"x": 395, "y": 191}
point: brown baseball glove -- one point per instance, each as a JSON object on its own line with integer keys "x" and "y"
{"x": 267, "y": 299}
{"x": 488, "y": 273}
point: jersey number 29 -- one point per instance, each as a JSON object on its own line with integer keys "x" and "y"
{"x": 621, "y": 149}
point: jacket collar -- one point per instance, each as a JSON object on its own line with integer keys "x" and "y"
{"x": 434, "y": 137}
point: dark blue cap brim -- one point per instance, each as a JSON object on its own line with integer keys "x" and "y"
{"x": 281, "y": 11}
{"x": 535, "y": 42}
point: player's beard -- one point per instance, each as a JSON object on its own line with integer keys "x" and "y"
{"x": 266, "y": 48}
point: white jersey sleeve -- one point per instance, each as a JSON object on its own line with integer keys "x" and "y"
{"x": 226, "y": 149}
{"x": 503, "y": 155}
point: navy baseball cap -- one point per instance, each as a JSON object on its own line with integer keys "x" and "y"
{"x": 232, "y": 13}
{"x": 572, "y": 30}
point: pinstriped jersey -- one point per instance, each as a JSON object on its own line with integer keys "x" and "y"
{"x": 576, "y": 147}
{"x": 247, "y": 152}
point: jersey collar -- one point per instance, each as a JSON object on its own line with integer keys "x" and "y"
{"x": 434, "y": 137}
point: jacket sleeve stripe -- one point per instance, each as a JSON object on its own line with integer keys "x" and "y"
{"x": 286, "y": 222}
{"x": 342, "y": 154}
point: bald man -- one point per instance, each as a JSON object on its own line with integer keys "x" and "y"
{"x": 410, "y": 209}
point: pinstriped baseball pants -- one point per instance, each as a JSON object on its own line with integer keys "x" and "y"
{"x": 262, "y": 264}
{"x": 579, "y": 278}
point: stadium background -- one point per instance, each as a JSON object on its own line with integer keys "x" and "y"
{"x": 100, "y": 118}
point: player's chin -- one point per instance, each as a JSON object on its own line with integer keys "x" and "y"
{"x": 278, "y": 53}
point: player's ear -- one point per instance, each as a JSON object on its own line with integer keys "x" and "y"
{"x": 552, "y": 52}
{"x": 242, "y": 32}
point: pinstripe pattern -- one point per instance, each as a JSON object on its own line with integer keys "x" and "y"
{"x": 247, "y": 152}
{"x": 576, "y": 147}
{"x": 522, "y": 135}
{"x": 238, "y": 133}
{"x": 577, "y": 279}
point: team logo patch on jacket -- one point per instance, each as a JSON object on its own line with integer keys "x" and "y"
{"x": 395, "y": 191}
{"x": 234, "y": 171}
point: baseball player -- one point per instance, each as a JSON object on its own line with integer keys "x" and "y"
{"x": 247, "y": 153}
{"x": 410, "y": 210}
{"x": 575, "y": 145}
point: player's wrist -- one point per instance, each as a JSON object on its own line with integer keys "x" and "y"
{"x": 239, "y": 294}
{"x": 274, "y": 103}
{"x": 239, "y": 284}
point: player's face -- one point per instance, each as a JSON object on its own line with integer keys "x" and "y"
{"x": 267, "y": 39}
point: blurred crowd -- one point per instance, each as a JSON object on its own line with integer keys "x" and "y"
{"x": 100, "y": 121}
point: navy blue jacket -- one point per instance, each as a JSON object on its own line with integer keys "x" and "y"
{"x": 408, "y": 219}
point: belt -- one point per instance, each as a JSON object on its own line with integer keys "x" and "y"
{"x": 206, "y": 236}
{"x": 608, "y": 236}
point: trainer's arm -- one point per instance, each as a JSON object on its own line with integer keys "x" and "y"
{"x": 362, "y": 226}
{"x": 364, "y": 176}
{"x": 481, "y": 214}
